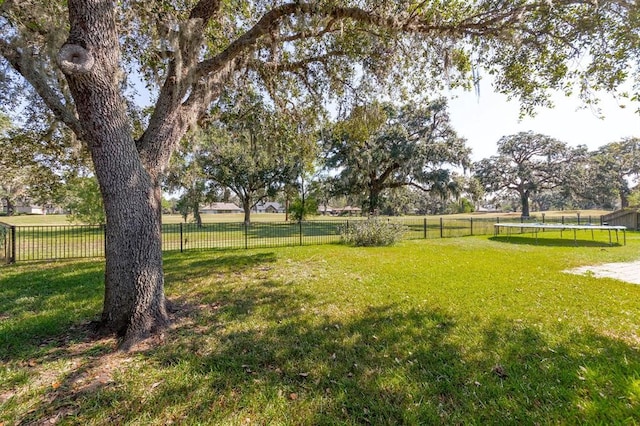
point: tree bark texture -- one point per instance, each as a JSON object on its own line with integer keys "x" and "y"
{"x": 134, "y": 303}
{"x": 524, "y": 197}
{"x": 246, "y": 206}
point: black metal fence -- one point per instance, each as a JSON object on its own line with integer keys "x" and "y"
{"x": 26, "y": 243}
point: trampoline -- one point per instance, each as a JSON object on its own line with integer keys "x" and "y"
{"x": 537, "y": 227}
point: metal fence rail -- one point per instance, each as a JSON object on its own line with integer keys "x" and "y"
{"x": 26, "y": 243}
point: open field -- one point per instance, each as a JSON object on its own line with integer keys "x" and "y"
{"x": 470, "y": 330}
{"x": 280, "y": 217}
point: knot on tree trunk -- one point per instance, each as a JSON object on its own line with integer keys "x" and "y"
{"x": 75, "y": 59}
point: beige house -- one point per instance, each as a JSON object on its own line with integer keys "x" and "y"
{"x": 219, "y": 208}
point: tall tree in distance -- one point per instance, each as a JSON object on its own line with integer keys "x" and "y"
{"x": 78, "y": 58}
{"x": 526, "y": 163}
{"x": 35, "y": 163}
{"x": 618, "y": 163}
{"x": 254, "y": 149}
{"x": 186, "y": 176}
{"x": 381, "y": 146}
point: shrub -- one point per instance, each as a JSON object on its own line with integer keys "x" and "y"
{"x": 372, "y": 232}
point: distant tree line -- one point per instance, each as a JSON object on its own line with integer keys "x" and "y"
{"x": 383, "y": 158}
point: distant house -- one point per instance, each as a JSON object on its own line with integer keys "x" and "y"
{"x": 26, "y": 208}
{"x": 219, "y": 208}
{"x": 347, "y": 211}
{"x": 326, "y": 210}
{"x": 268, "y": 207}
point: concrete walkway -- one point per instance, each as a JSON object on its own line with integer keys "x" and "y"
{"x": 629, "y": 271}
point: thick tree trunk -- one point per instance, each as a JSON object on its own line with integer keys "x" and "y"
{"x": 134, "y": 303}
{"x": 374, "y": 199}
{"x": 524, "y": 198}
{"x": 10, "y": 207}
{"x": 624, "y": 200}
{"x": 246, "y": 206}
{"x": 196, "y": 213}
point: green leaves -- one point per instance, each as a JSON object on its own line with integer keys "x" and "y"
{"x": 84, "y": 201}
{"x": 382, "y": 146}
{"x": 527, "y": 163}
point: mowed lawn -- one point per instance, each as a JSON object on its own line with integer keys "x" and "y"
{"x": 55, "y": 220}
{"x": 459, "y": 331}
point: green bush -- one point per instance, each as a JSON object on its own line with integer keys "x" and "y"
{"x": 372, "y": 232}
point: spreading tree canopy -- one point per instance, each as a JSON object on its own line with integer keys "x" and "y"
{"x": 618, "y": 163}
{"x": 253, "y": 150}
{"x": 526, "y": 163}
{"x": 78, "y": 61}
{"x": 381, "y": 147}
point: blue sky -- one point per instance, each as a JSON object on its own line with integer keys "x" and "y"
{"x": 484, "y": 120}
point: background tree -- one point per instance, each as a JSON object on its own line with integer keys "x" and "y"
{"x": 186, "y": 176}
{"x": 382, "y": 147}
{"x": 252, "y": 150}
{"x": 299, "y": 210}
{"x": 474, "y": 191}
{"x": 35, "y": 164}
{"x": 83, "y": 200}
{"x": 618, "y": 164}
{"x": 398, "y": 201}
{"x": 526, "y": 163}
{"x": 78, "y": 58}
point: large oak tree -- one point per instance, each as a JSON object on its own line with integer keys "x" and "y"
{"x": 79, "y": 58}
{"x": 381, "y": 147}
{"x": 527, "y": 163}
{"x": 618, "y": 164}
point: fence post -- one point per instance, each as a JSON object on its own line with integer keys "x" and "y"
{"x": 441, "y": 228}
{"x": 471, "y": 220}
{"x": 425, "y": 228}
{"x": 12, "y": 243}
{"x": 578, "y": 213}
{"x": 542, "y": 217}
{"x": 562, "y": 219}
{"x": 300, "y": 231}
{"x": 181, "y": 238}
{"x": 104, "y": 236}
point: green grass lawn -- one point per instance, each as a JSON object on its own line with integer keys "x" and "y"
{"x": 460, "y": 331}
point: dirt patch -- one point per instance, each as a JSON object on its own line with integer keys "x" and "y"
{"x": 627, "y": 271}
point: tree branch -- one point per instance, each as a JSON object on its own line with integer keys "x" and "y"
{"x": 488, "y": 23}
{"x": 20, "y": 62}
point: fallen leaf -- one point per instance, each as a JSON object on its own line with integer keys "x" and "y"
{"x": 293, "y": 396}
{"x": 500, "y": 371}
{"x": 303, "y": 374}
{"x": 55, "y": 385}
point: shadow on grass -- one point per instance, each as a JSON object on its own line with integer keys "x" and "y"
{"x": 384, "y": 366}
{"x": 553, "y": 242}
{"x": 41, "y": 300}
{"x": 267, "y": 352}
